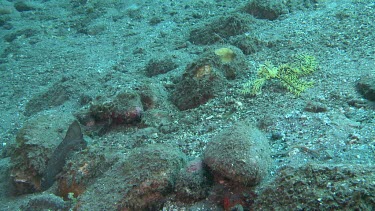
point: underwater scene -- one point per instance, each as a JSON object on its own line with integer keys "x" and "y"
{"x": 187, "y": 105}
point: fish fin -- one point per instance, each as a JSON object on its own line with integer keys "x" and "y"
{"x": 74, "y": 132}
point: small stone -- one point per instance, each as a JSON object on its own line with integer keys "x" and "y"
{"x": 315, "y": 107}
{"x": 240, "y": 153}
{"x": 157, "y": 66}
{"x": 366, "y": 86}
{"x": 22, "y": 7}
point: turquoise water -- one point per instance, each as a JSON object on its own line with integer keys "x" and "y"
{"x": 164, "y": 94}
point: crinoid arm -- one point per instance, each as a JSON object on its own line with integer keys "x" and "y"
{"x": 288, "y": 74}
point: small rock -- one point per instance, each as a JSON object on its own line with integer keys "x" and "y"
{"x": 46, "y": 202}
{"x": 158, "y": 66}
{"x": 208, "y": 75}
{"x": 23, "y": 7}
{"x": 270, "y": 10}
{"x": 219, "y": 29}
{"x": 240, "y": 153}
{"x": 151, "y": 172}
{"x": 55, "y": 95}
{"x": 366, "y": 86}
{"x": 193, "y": 183}
{"x": 315, "y": 107}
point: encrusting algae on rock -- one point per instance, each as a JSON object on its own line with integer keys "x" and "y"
{"x": 226, "y": 54}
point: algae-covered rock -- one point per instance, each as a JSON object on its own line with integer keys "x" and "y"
{"x": 125, "y": 108}
{"x": 55, "y": 95}
{"x": 80, "y": 171}
{"x": 200, "y": 83}
{"x": 36, "y": 141}
{"x": 46, "y": 202}
{"x": 240, "y": 153}
{"x": 320, "y": 187}
{"x": 366, "y": 86}
{"x": 21, "y": 6}
{"x": 194, "y": 182}
{"x": 141, "y": 180}
{"x": 272, "y": 9}
{"x": 266, "y": 9}
{"x": 206, "y": 76}
{"x": 158, "y": 66}
{"x": 219, "y": 29}
{"x": 152, "y": 171}
{"x": 249, "y": 43}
